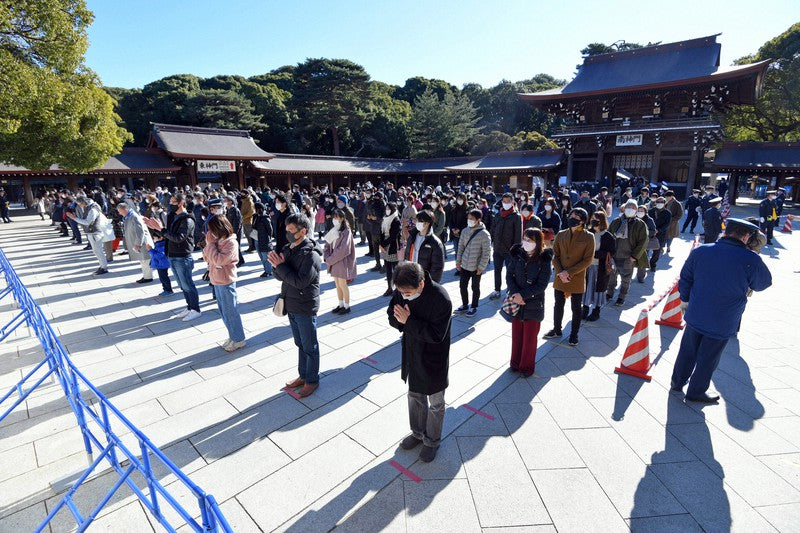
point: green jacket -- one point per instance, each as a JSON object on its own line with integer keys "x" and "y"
{"x": 637, "y": 235}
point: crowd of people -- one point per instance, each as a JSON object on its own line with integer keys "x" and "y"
{"x": 566, "y": 237}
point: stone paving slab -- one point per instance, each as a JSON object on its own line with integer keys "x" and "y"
{"x": 575, "y": 447}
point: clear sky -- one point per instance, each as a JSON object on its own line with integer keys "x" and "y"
{"x": 134, "y": 42}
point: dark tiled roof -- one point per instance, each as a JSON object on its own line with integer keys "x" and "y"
{"x": 531, "y": 161}
{"x": 207, "y": 143}
{"x": 679, "y": 63}
{"x": 130, "y": 161}
{"x": 758, "y": 156}
{"x": 311, "y": 164}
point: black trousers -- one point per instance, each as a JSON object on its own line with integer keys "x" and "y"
{"x": 767, "y": 229}
{"x": 466, "y": 276}
{"x": 691, "y": 216}
{"x": 558, "y": 311}
{"x": 390, "y": 272}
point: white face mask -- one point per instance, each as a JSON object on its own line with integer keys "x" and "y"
{"x": 528, "y": 246}
{"x": 413, "y": 297}
{"x": 367, "y": 196}
{"x": 340, "y": 205}
{"x": 630, "y": 212}
{"x": 564, "y": 202}
{"x": 639, "y": 214}
{"x": 434, "y": 204}
{"x": 659, "y": 206}
{"x": 471, "y": 223}
{"x": 507, "y": 205}
{"x": 460, "y": 202}
{"x": 388, "y": 213}
{"x": 548, "y": 207}
{"x": 420, "y": 226}
{"x": 526, "y": 213}
{"x": 279, "y": 206}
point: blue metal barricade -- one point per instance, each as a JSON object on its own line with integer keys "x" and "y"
{"x": 97, "y": 422}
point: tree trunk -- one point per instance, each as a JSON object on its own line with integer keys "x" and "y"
{"x": 335, "y": 134}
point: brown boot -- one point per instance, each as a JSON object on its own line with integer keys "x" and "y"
{"x": 307, "y": 389}
{"x": 297, "y": 382}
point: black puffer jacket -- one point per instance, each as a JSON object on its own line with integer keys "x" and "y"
{"x": 529, "y": 279}
{"x": 179, "y": 235}
{"x": 263, "y": 225}
{"x": 430, "y": 255}
{"x": 300, "y": 277}
{"x": 506, "y": 231}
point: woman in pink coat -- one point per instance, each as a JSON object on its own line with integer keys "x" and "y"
{"x": 222, "y": 253}
{"x": 340, "y": 258}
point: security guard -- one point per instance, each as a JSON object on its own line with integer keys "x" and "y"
{"x": 714, "y": 285}
{"x": 692, "y": 208}
{"x": 712, "y": 221}
{"x": 768, "y": 214}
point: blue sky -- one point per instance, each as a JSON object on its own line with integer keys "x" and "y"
{"x": 134, "y": 42}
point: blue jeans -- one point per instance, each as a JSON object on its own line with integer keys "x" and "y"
{"x": 227, "y": 302}
{"x": 698, "y": 357}
{"x": 182, "y": 268}
{"x": 263, "y": 257}
{"x": 163, "y": 276}
{"x": 304, "y": 331}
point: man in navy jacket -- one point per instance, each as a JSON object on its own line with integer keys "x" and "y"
{"x": 714, "y": 284}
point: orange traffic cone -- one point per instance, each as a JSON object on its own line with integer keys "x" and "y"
{"x": 672, "y": 315}
{"x": 787, "y": 227}
{"x": 636, "y": 361}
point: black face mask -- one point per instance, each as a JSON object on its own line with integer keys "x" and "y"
{"x": 172, "y": 208}
{"x": 291, "y": 237}
{"x": 573, "y": 222}
{"x": 594, "y": 223}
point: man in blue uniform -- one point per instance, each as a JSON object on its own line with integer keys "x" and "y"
{"x": 712, "y": 221}
{"x": 768, "y": 214}
{"x": 714, "y": 284}
{"x": 692, "y": 208}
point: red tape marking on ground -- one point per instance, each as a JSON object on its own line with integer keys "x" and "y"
{"x": 478, "y": 412}
{"x": 369, "y": 360}
{"x": 292, "y": 393}
{"x": 411, "y": 475}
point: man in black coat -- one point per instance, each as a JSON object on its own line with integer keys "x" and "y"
{"x": 586, "y": 204}
{"x": 662, "y": 219}
{"x": 376, "y": 210}
{"x": 421, "y": 310}
{"x": 691, "y": 207}
{"x": 712, "y": 221}
{"x": 506, "y": 232}
{"x": 768, "y": 214}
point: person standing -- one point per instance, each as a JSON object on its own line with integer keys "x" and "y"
{"x": 340, "y": 259}
{"x": 472, "y": 258}
{"x": 179, "y": 238}
{"x": 234, "y": 216}
{"x": 605, "y": 245}
{"x": 390, "y": 242}
{"x": 421, "y": 309}
{"x": 573, "y": 250}
{"x": 768, "y": 214}
{"x": 527, "y": 277}
{"x": 714, "y": 299}
{"x": 631, "y": 236}
{"x": 506, "y": 232}
{"x": 424, "y": 247}
{"x": 297, "y": 267}
{"x": 676, "y": 211}
{"x": 282, "y": 211}
{"x": 137, "y": 240}
{"x": 376, "y": 209}
{"x": 712, "y": 221}
{"x": 221, "y": 254}
{"x": 662, "y": 219}
{"x": 4, "y": 206}
{"x": 692, "y": 209}
{"x": 248, "y": 211}
{"x": 652, "y": 241}
{"x": 586, "y": 204}
{"x": 160, "y": 263}
{"x": 263, "y": 228}
{"x": 94, "y": 223}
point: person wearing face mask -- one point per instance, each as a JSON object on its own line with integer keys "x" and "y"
{"x": 573, "y": 250}
{"x": 297, "y": 267}
{"x": 546, "y": 195}
{"x": 527, "y": 278}
{"x": 550, "y": 218}
{"x": 424, "y": 247}
{"x": 341, "y": 204}
{"x": 662, "y": 219}
{"x": 407, "y": 216}
{"x": 282, "y": 211}
{"x": 376, "y": 208}
{"x": 390, "y": 242}
{"x": 263, "y": 228}
{"x": 421, "y": 309}
{"x": 340, "y": 259}
{"x": 705, "y": 200}
{"x": 631, "y": 236}
{"x": 529, "y": 220}
{"x": 586, "y": 204}
{"x": 506, "y": 232}
{"x": 472, "y": 258}
{"x": 564, "y": 208}
{"x": 692, "y": 209}
{"x": 652, "y": 240}
{"x": 359, "y": 206}
{"x": 676, "y": 212}
{"x": 605, "y": 245}
{"x": 768, "y": 214}
{"x": 712, "y": 221}
{"x": 437, "y": 207}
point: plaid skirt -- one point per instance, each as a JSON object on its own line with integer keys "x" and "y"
{"x": 590, "y": 297}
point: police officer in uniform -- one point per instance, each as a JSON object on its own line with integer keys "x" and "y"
{"x": 692, "y": 208}
{"x": 714, "y": 284}
{"x": 712, "y": 221}
{"x": 768, "y": 214}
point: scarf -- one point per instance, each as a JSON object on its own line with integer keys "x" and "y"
{"x": 622, "y": 230}
{"x": 505, "y": 212}
{"x": 386, "y": 223}
{"x": 331, "y": 236}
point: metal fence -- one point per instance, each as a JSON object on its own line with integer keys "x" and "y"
{"x": 101, "y": 425}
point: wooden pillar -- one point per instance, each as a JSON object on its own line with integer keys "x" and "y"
{"x": 598, "y": 167}
{"x": 330, "y": 187}
{"x": 240, "y": 174}
{"x": 570, "y": 158}
{"x": 289, "y": 183}
{"x": 654, "y": 177}
{"x": 72, "y": 182}
{"x": 733, "y": 187}
{"x": 691, "y": 178}
{"x": 26, "y": 189}
{"x": 193, "y": 175}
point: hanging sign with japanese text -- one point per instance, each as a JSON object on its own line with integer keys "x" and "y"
{"x": 215, "y": 166}
{"x": 630, "y": 139}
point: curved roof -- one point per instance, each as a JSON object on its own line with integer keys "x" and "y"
{"x": 311, "y": 164}
{"x": 129, "y": 161}
{"x": 755, "y": 156}
{"x": 206, "y": 143}
{"x": 524, "y": 161}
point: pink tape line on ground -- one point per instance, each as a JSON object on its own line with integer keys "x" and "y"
{"x": 411, "y": 475}
{"x": 369, "y": 360}
{"x": 292, "y": 393}
{"x": 478, "y": 412}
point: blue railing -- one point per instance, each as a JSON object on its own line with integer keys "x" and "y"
{"x": 97, "y": 423}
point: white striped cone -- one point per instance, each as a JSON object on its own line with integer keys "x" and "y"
{"x": 636, "y": 361}
{"x": 672, "y": 315}
{"x": 787, "y": 227}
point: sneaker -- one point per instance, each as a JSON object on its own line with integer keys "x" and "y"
{"x": 344, "y": 311}
{"x": 460, "y": 310}
{"x": 336, "y": 310}
{"x": 100, "y": 272}
{"x": 427, "y": 454}
{"x": 191, "y": 315}
{"x": 594, "y": 315}
{"x": 471, "y": 313}
{"x": 376, "y": 268}
{"x": 182, "y": 313}
{"x": 265, "y": 275}
{"x": 410, "y": 442}
{"x": 553, "y": 334}
{"x": 495, "y": 295}
{"x": 225, "y": 344}
{"x": 233, "y": 346}
{"x": 166, "y": 293}
{"x": 573, "y": 340}
{"x": 144, "y": 280}
{"x": 620, "y": 302}
{"x": 87, "y": 247}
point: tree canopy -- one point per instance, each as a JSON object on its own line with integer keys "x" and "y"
{"x": 52, "y": 109}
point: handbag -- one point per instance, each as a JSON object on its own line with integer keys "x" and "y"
{"x": 509, "y": 309}
{"x": 653, "y": 244}
{"x": 253, "y": 234}
{"x": 610, "y": 266}
{"x": 279, "y": 309}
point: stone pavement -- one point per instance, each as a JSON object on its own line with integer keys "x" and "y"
{"x": 574, "y": 448}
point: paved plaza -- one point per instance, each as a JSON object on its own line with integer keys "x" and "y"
{"x": 575, "y": 447}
